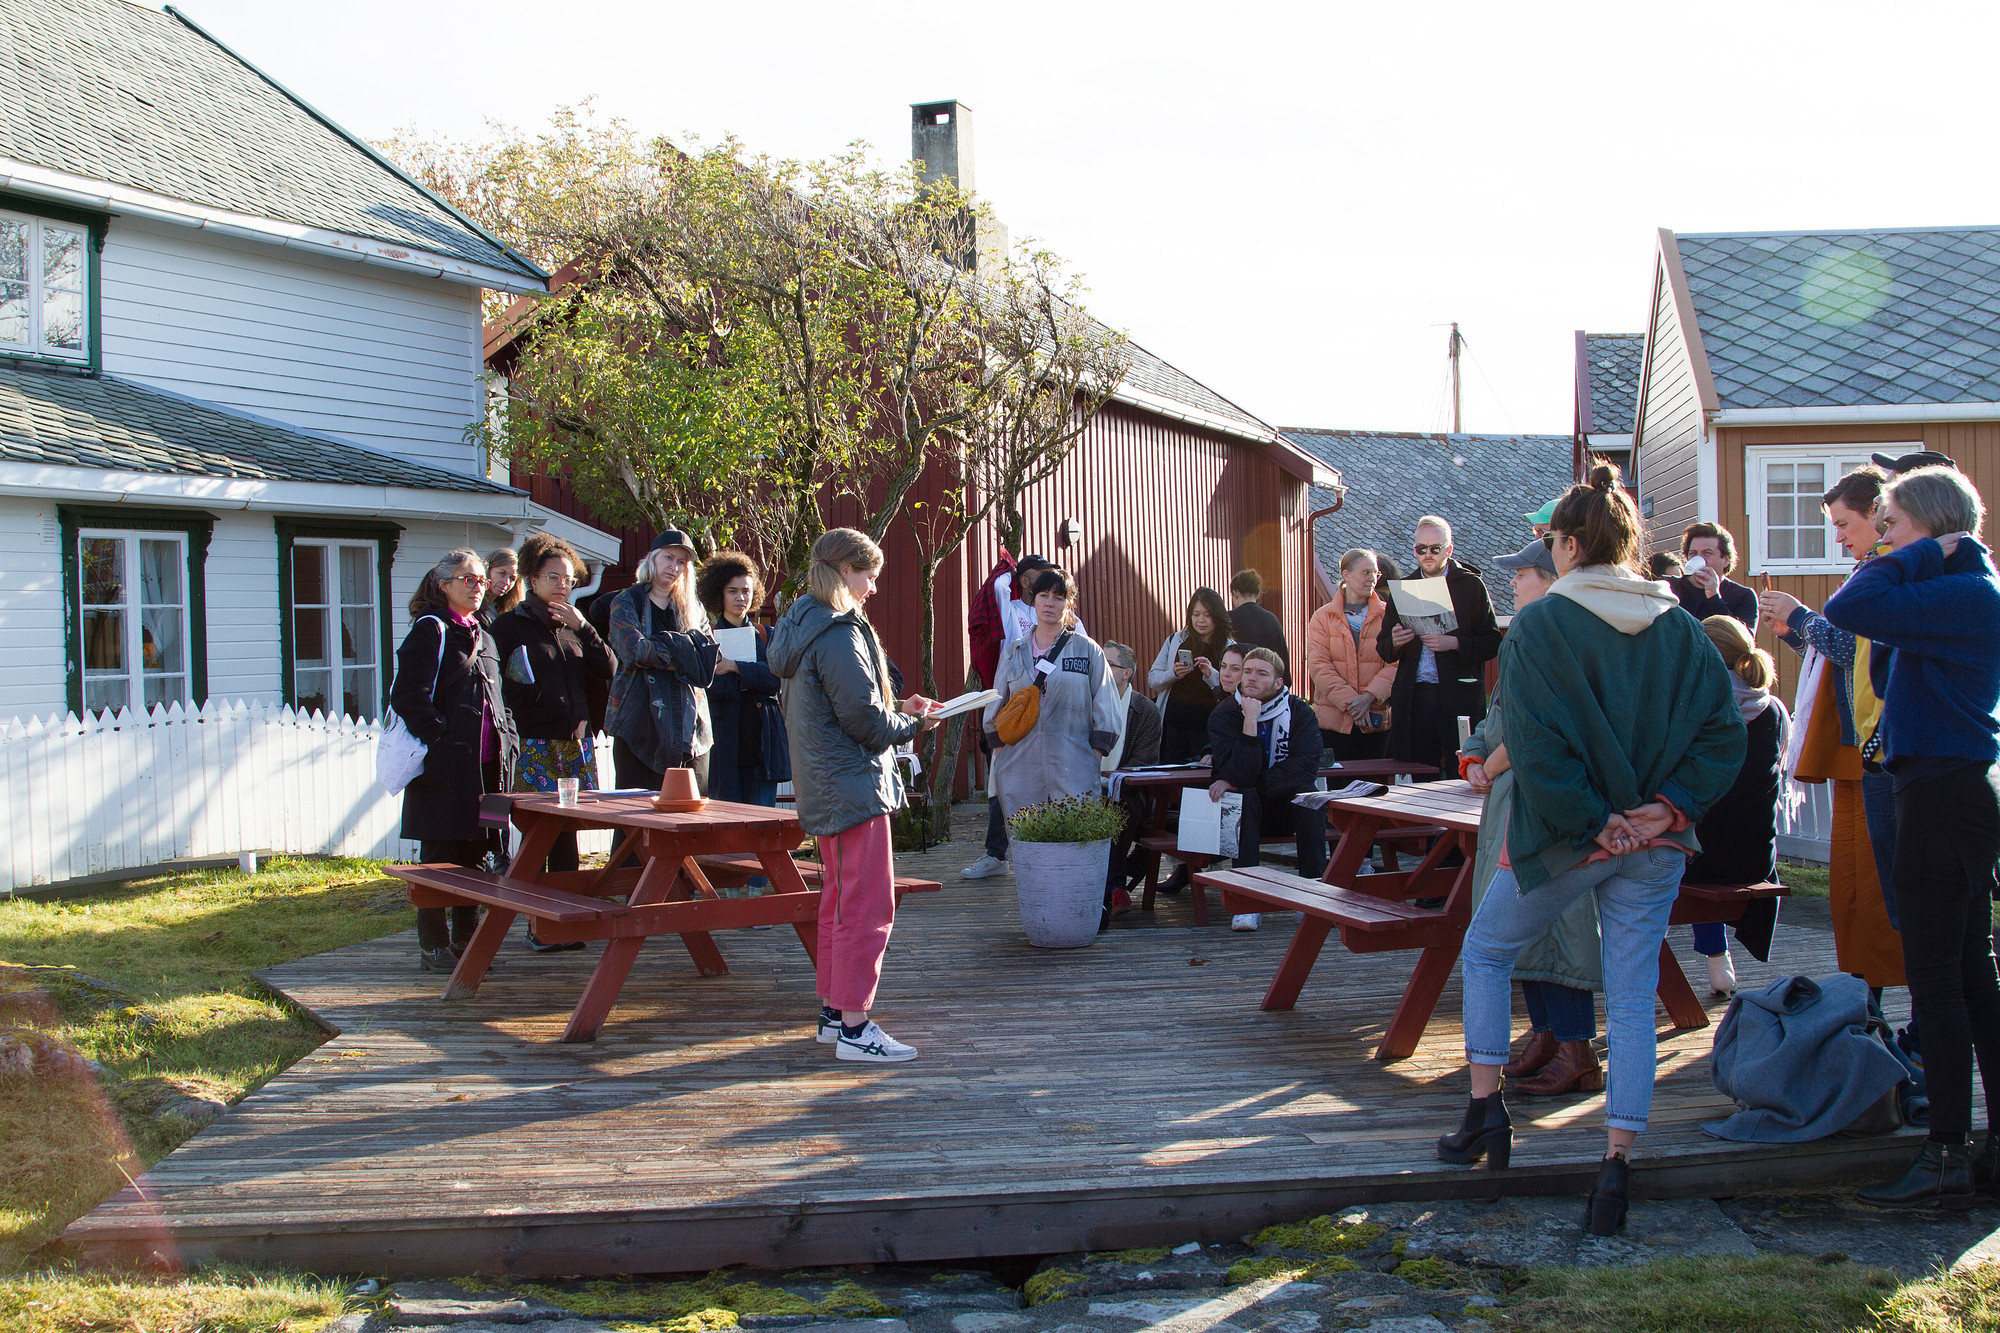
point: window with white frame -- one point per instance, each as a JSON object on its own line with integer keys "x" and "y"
{"x": 44, "y": 287}
{"x": 335, "y": 618}
{"x": 132, "y": 606}
{"x": 1789, "y": 532}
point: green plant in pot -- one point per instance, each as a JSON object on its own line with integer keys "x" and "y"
{"x": 1061, "y": 849}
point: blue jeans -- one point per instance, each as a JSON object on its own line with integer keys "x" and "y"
{"x": 1878, "y": 806}
{"x": 1710, "y": 938}
{"x": 1635, "y": 894}
{"x": 1564, "y": 1012}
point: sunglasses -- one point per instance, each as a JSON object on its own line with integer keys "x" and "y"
{"x": 1427, "y": 548}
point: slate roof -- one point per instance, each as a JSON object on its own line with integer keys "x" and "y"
{"x": 1842, "y": 318}
{"x": 1614, "y": 361}
{"x": 61, "y": 419}
{"x": 1155, "y": 375}
{"x": 1481, "y": 484}
{"x": 110, "y": 91}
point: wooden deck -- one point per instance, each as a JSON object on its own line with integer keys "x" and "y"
{"x": 1130, "y": 1093}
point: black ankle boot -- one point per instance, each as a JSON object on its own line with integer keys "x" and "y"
{"x": 1604, "y": 1210}
{"x": 1487, "y": 1132}
{"x": 1941, "y": 1177}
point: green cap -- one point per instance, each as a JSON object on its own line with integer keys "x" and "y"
{"x": 1545, "y": 515}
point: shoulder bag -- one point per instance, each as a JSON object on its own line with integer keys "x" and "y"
{"x": 399, "y": 755}
{"x": 1017, "y": 717}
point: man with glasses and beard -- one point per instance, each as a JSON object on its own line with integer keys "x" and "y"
{"x": 1440, "y": 675}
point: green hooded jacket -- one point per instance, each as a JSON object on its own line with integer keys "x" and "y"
{"x": 1615, "y": 697}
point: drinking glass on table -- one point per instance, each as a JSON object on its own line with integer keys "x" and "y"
{"x": 567, "y": 789}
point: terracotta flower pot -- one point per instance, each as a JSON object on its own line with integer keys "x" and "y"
{"x": 1060, "y": 886}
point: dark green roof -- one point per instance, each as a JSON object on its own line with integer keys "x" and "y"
{"x": 61, "y": 419}
{"x": 112, "y": 92}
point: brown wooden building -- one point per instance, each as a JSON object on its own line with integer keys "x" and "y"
{"x": 1776, "y": 362}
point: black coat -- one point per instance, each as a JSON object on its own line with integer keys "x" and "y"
{"x": 1733, "y": 599}
{"x": 741, "y": 703}
{"x": 563, "y": 662}
{"x": 1251, "y": 623}
{"x": 1739, "y": 838}
{"x": 1239, "y": 759}
{"x": 441, "y": 804}
{"x": 1461, "y": 671}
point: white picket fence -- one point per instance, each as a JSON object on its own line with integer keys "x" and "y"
{"x": 105, "y": 792}
{"x": 1808, "y": 835}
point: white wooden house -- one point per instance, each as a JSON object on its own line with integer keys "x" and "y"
{"x": 238, "y": 354}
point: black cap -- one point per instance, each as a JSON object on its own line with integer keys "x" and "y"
{"x": 1896, "y": 467}
{"x": 1034, "y": 562}
{"x": 671, "y": 537}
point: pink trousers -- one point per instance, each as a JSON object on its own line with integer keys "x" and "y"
{"x": 857, "y": 910}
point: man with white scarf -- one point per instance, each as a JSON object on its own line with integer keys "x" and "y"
{"x": 1264, "y": 742}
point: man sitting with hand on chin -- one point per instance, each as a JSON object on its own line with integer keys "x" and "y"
{"x": 1265, "y": 743}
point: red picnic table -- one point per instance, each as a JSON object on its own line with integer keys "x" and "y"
{"x": 667, "y": 893}
{"x": 1374, "y": 913}
{"x": 1163, "y": 786}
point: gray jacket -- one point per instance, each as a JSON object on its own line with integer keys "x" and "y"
{"x": 839, "y": 718}
{"x": 1798, "y": 1059}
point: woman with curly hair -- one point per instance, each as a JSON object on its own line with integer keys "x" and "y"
{"x": 750, "y": 757}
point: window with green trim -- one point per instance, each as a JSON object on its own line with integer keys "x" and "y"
{"x": 333, "y": 588}
{"x": 135, "y": 607}
{"x": 46, "y": 287}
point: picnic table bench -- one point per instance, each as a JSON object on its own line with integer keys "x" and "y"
{"x": 1164, "y": 787}
{"x": 668, "y": 891}
{"x": 1372, "y": 913}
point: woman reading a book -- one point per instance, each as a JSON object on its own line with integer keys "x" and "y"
{"x": 750, "y": 757}
{"x": 1079, "y": 709}
{"x": 548, "y": 651}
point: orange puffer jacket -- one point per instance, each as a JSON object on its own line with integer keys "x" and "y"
{"x": 1340, "y": 670}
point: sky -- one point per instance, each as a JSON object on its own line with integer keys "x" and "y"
{"x": 1290, "y": 202}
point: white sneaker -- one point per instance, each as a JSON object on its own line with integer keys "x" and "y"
{"x": 829, "y": 1031}
{"x": 1722, "y": 974}
{"x": 1247, "y": 921}
{"x": 985, "y": 867}
{"x": 873, "y": 1046}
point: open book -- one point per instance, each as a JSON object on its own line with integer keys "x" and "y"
{"x": 964, "y": 703}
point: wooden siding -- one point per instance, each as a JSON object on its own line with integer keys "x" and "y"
{"x": 31, "y": 616}
{"x": 1975, "y": 446}
{"x": 388, "y": 361}
{"x": 1669, "y": 427}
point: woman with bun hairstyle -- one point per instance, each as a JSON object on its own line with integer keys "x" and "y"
{"x": 844, "y": 724}
{"x": 447, "y": 691}
{"x": 1739, "y": 836}
{"x": 1621, "y": 733}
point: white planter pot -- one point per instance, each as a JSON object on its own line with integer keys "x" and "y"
{"x": 1061, "y": 890}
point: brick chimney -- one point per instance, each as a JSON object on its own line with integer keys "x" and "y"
{"x": 941, "y": 144}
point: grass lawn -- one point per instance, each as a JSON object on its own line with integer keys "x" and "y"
{"x": 152, "y": 981}
{"x": 1758, "y": 1295}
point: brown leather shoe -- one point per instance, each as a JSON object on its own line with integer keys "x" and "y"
{"x": 1541, "y": 1049}
{"x": 1574, "y": 1069}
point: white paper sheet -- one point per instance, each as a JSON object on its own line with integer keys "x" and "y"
{"x": 1209, "y": 826}
{"x": 738, "y": 645}
{"x": 964, "y": 703}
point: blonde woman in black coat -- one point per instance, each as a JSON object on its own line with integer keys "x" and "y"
{"x": 447, "y": 691}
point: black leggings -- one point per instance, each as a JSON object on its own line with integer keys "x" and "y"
{"x": 432, "y": 932}
{"x": 1947, "y": 836}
